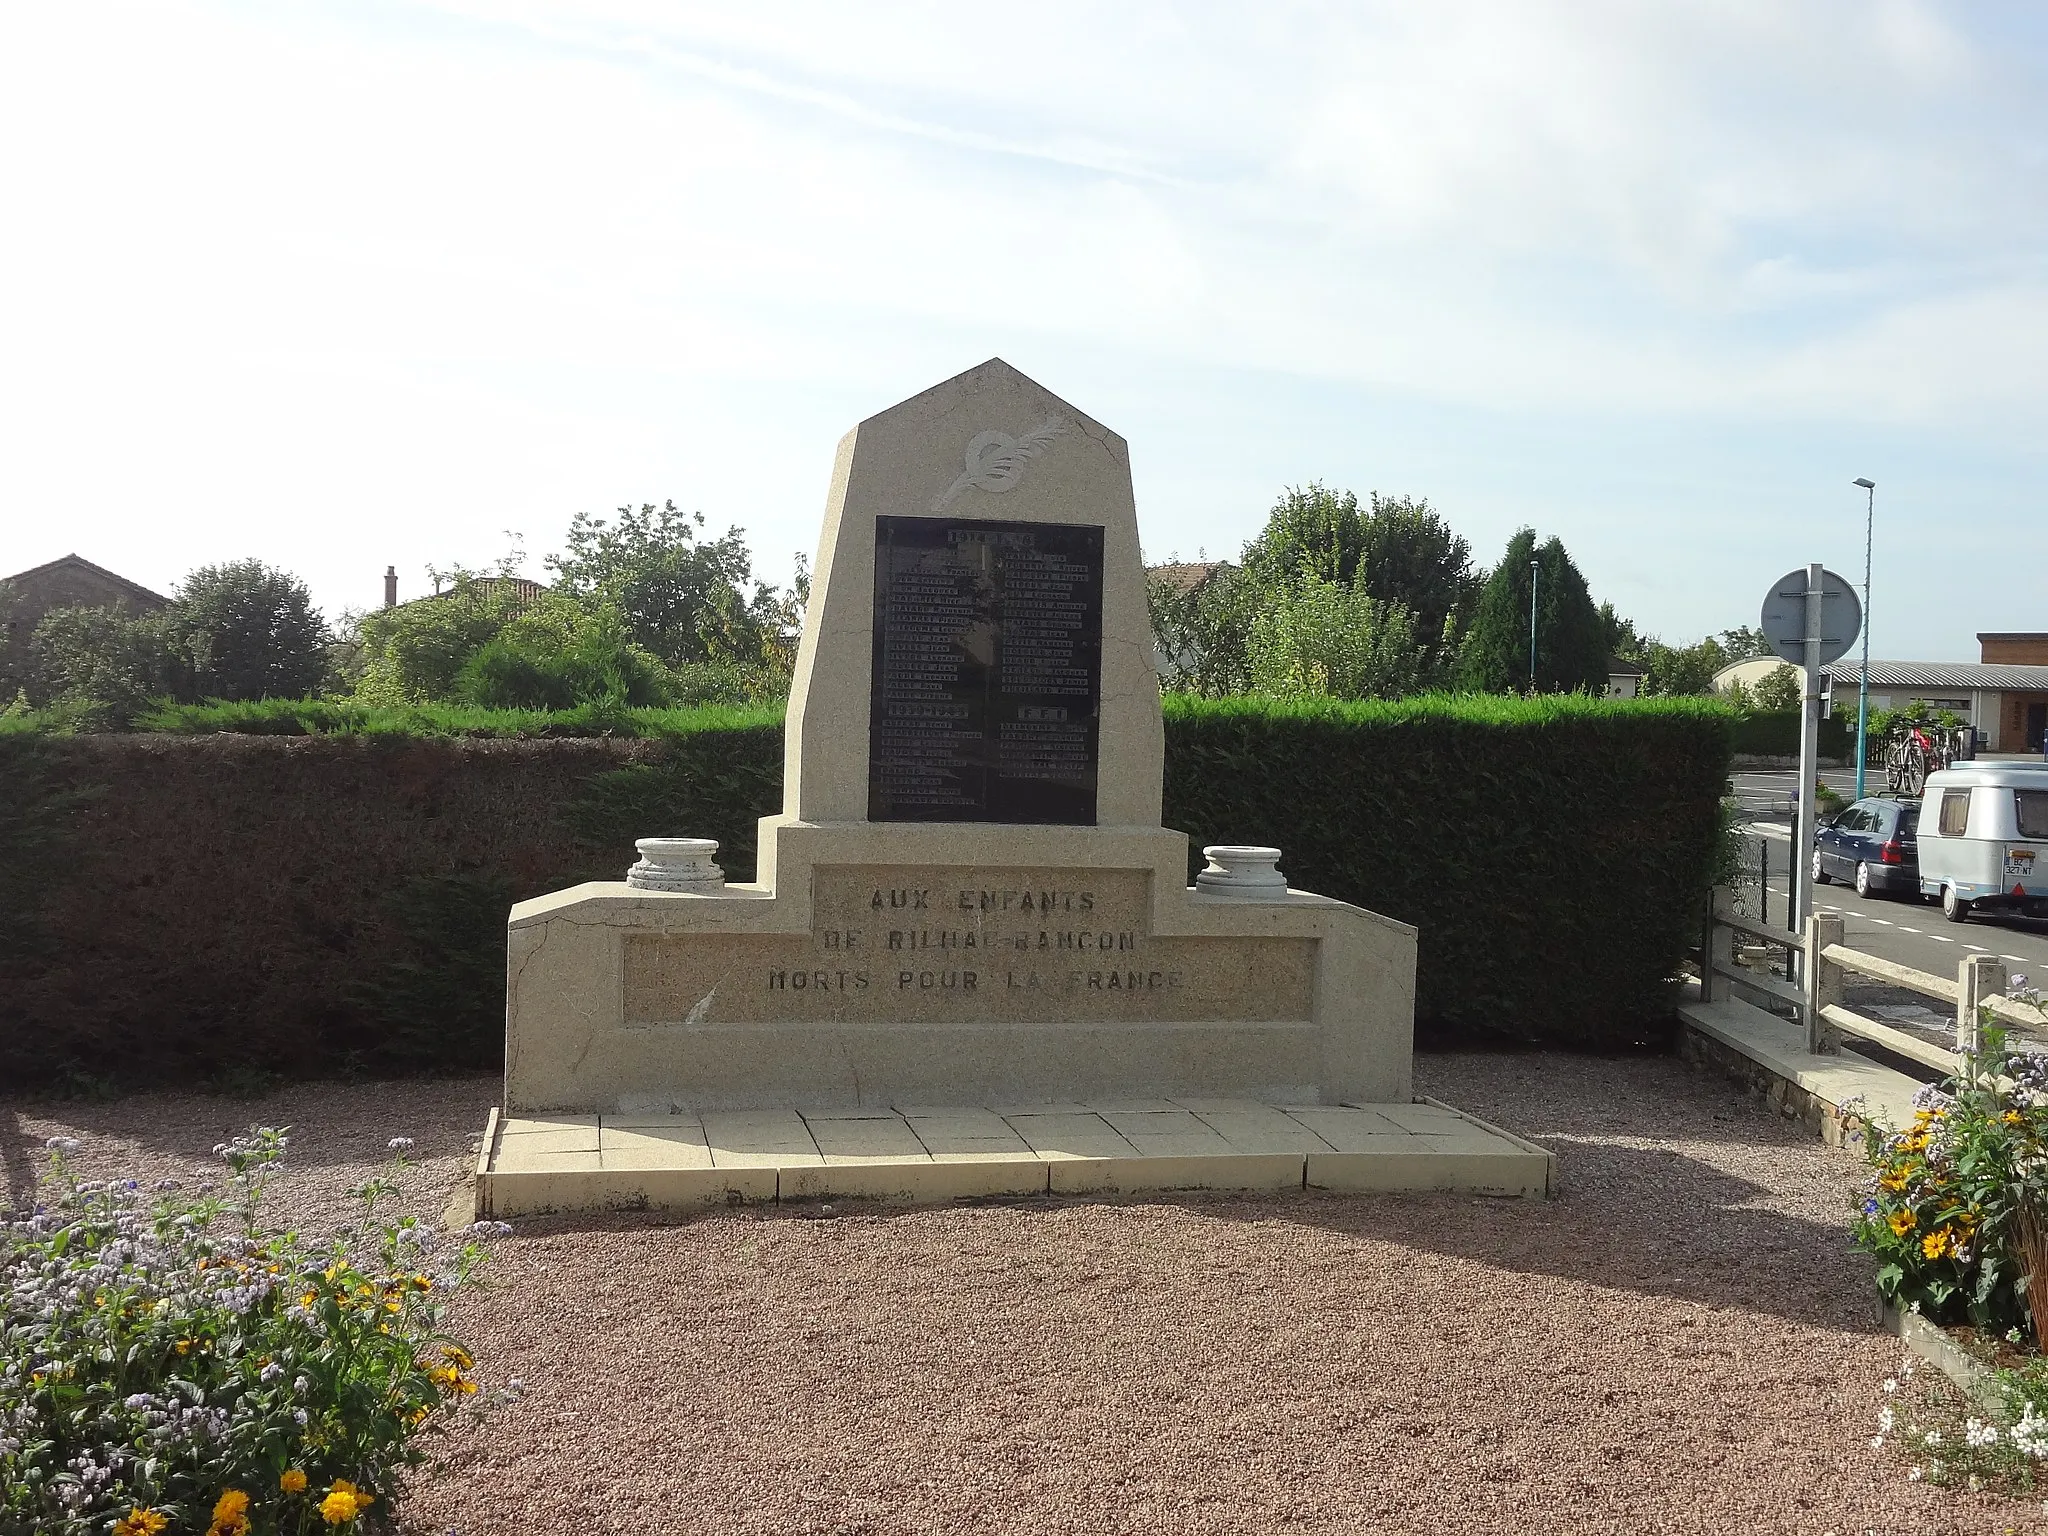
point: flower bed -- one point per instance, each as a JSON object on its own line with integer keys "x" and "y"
{"x": 1953, "y": 1213}
{"x": 169, "y": 1367}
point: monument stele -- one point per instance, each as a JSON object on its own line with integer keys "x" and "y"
{"x": 968, "y": 897}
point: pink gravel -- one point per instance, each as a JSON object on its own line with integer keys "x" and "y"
{"x": 1681, "y": 1342}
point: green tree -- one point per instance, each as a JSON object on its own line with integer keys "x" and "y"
{"x": 1329, "y": 638}
{"x": 1396, "y": 550}
{"x": 681, "y": 598}
{"x": 1685, "y": 669}
{"x": 414, "y": 653}
{"x": 1571, "y": 638}
{"x": 1744, "y": 643}
{"x": 107, "y": 664}
{"x": 1778, "y": 690}
{"x": 557, "y": 655}
{"x": 1200, "y": 630}
{"x": 250, "y": 632}
{"x": 1623, "y": 642}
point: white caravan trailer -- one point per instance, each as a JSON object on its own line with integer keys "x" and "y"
{"x": 1984, "y": 839}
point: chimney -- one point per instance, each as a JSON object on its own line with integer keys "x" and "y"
{"x": 390, "y": 586}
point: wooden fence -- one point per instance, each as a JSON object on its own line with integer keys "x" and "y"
{"x": 1822, "y": 962}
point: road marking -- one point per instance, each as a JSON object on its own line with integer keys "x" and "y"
{"x": 1934, "y": 936}
{"x": 2022, "y": 959}
{"x": 1904, "y": 929}
{"x": 1978, "y": 947}
{"x": 1884, "y": 920}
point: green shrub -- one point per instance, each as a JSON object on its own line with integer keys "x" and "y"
{"x": 353, "y": 717}
{"x": 1777, "y": 735}
{"x": 1323, "y": 637}
{"x": 1554, "y": 852}
{"x": 437, "y": 1000}
{"x": 713, "y": 782}
{"x": 167, "y": 1365}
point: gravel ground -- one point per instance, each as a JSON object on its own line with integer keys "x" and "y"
{"x": 1682, "y": 1342}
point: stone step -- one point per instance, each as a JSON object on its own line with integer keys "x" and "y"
{"x": 923, "y": 1153}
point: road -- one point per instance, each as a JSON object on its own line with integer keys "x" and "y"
{"x": 1774, "y": 793}
{"x": 1910, "y": 932}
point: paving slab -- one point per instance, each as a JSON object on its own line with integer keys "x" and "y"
{"x": 1125, "y": 1175}
{"x": 924, "y": 1182}
{"x": 930, "y": 1153}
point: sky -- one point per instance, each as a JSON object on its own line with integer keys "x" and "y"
{"x": 347, "y": 285}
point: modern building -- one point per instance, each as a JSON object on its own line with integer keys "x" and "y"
{"x": 2004, "y": 695}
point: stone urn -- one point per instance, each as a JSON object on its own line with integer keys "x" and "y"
{"x": 676, "y": 864}
{"x": 1236, "y": 869}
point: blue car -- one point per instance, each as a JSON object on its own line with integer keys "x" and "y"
{"x": 1874, "y": 844}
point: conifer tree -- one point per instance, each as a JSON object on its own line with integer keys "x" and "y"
{"x": 1571, "y": 639}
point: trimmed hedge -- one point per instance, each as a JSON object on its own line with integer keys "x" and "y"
{"x": 1777, "y": 735}
{"x": 184, "y": 906}
{"x": 1554, "y": 852}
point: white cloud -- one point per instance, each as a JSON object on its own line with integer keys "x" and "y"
{"x": 327, "y": 282}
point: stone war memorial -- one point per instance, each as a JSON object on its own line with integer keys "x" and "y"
{"x": 971, "y": 963}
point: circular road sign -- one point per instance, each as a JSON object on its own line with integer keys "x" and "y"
{"x": 1784, "y": 620}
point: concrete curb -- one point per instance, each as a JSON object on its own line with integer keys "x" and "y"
{"x": 1932, "y": 1344}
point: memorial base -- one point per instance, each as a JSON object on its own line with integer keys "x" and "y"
{"x": 882, "y": 965}
{"x": 687, "y": 1161}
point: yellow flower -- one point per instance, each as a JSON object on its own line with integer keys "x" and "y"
{"x": 140, "y": 1522}
{"x": 292, "y": 1480}
{"x": 1937, "y": 1242}
{"x": 2010, "y": 1117}
{"x": 230, "y": 1515}
{"x": 1901, "y": 1222}
{"x": 458, "y": 1354}
{"x": 344, "y": 1502}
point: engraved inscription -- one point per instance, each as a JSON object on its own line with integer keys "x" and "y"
{"x": 898, "y": 944}
{"x": 987, "y": 671}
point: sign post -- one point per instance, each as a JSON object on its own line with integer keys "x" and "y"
{"x": 1810, "y": 617}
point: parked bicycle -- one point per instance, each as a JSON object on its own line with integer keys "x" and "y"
{"x": 1915, "y": 749}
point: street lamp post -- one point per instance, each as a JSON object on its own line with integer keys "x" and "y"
{"x": 1534, "y": 572}
{"x": 1863, "y": 684}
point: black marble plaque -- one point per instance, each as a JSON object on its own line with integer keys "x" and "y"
{"x": 988, "y": 671}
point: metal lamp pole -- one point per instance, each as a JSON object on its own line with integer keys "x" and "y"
{"x": 1534, "y": 571}
{"x": 1863, "y": 684}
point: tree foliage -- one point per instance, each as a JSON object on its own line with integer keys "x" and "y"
{"x": 1396, "y": 550}
{"x": 1200, "y": 630}
{"x": 1393, "y": 565}
{"x": 237, "y": 631}
{"x": 1571, "y": 636}
{"x": 102, "y": 665}
{"x": 414, "y": 653}
{"x": 1328, "y": 637}
{"x": 1778, "y": 690}
{"x": 250, "y": 631}
{"x": 683, "y": 599}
